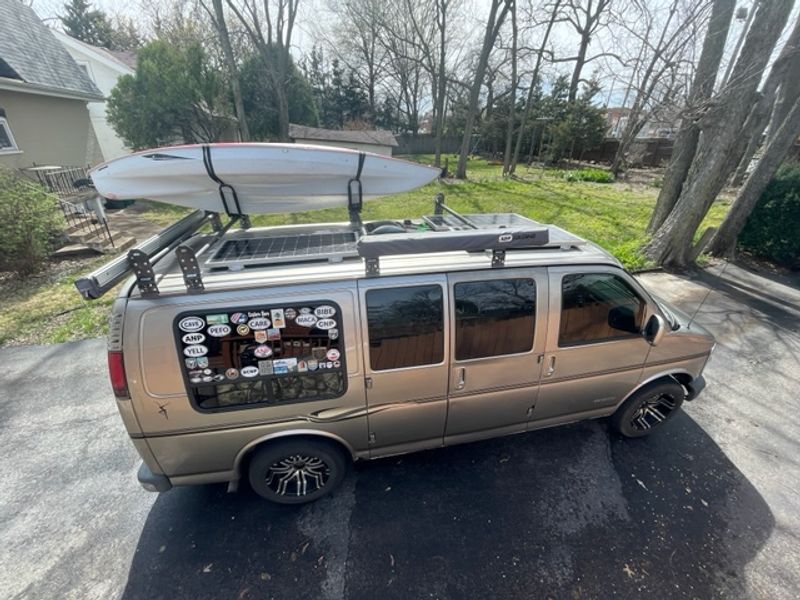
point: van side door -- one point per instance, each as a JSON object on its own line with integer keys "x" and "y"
{"x": 498, "y": 332}
{"x": 405, "y": 345}
{"x": 595, "y": 347}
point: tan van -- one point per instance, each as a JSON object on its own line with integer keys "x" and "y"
{"x": 282, "y": 354}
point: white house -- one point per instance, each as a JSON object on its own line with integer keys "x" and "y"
{"x": 104, "y": 68}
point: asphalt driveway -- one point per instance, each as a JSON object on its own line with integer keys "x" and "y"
{"x": 710, "y": 507}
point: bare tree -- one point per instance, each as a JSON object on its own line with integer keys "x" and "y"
{"x": 217, "y": 15}
{"x": 771, "y": 109}
{"x": 685, "y": 146}
{"x": 497, "y": 14}
{"x": 586, "y": 17}
{"x": 512, "y": 105}
{"x": 270, "y": 25}
{"x": 785, "y": 129}
{"x": 356, "y": 43}
{"x": 551, "y": 21}
{"x": 659, "y": 57}
{"x": 718, "y": 148}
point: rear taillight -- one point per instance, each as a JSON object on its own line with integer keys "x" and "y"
{"x": 116, "y": 370}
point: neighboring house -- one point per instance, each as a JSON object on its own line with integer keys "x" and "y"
{"x": 104, "y": 68}
{"x": 376, "y": 141}
{"x": 44, "y": 119}
{"x": 616, "y": 121}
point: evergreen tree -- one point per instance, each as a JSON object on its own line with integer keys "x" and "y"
{"x": 87, "y": 25}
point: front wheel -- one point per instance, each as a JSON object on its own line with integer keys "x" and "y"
{"x": 294, "y": 472}
{"x": 648, "y": 409}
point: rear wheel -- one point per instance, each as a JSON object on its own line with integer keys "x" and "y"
{"x": 648, "y": 409}
{"x": 297, "y": 471}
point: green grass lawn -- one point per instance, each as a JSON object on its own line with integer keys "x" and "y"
{"x": 48, "y": 309}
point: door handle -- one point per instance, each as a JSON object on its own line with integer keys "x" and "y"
{"x": 551, "y": 368}
{"x": 462, "y": 378}
{"x": 368, "y": 382}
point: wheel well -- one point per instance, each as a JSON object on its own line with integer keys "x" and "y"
{"x": 245, "y": 458}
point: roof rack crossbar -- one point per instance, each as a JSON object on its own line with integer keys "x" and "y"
{"x": 103, "y": 279}
{"x": 498, "y": 241}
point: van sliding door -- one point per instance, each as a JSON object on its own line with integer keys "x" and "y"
{"x": 405, "y": 341}
{"x": 499, "y": 326}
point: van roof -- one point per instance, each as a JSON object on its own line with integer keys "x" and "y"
{"x": 351, "y": 267}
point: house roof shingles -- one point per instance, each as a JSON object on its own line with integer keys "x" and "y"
{"x": 30, "y": 53}
{"x": 377, "y": 137}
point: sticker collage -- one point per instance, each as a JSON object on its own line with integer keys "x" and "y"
{"x": 250, "y": 344}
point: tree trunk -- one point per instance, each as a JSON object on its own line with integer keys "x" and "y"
{"x": 773, "y": 104}
{"x": 493, "y": 24}
{"x": 688, "y": 135}
{"x": 440, "y": 98}
{"x": 230, "y": 62}
{"x": 775, "y": 152}
{"x": 532, "y": 88}
{"x": 512, "y": 108}
{"x": 721, "y": 145}
{"x": 580, "y": 61}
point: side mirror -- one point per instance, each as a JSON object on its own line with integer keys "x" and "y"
{"x": 623, "y": 319}
{"x": 654, "y": 330}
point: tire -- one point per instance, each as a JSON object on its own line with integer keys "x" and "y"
{"x": 663, "y": 399}
{"x": 297, "y": 471}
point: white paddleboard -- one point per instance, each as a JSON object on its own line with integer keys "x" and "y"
{"x": 268, "y": 178}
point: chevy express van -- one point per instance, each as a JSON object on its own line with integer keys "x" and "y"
{"x": 281, "y": 354}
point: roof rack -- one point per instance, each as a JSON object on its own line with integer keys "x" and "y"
{"x": 139, "y": 259}
{"x": 444, "y": 231}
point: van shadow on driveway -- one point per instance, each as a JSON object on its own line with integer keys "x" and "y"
{"x": 566, "y": 512}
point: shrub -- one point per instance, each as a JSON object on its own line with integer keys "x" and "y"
{"x": 593, "y": 175}
{"x": 29, "y": 221}
{"x": 772, "y": 229}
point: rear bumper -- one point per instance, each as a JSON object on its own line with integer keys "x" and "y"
{"x": 152, "y": 482}
{"x": 695, "y": 387}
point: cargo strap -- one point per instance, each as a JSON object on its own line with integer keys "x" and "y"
{"x": 355, "y": 197}
{"x": 224, "y": 189}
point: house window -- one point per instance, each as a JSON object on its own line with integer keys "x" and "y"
{"x": 7, "y": 143}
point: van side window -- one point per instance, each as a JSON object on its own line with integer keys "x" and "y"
{"x": 494, "y": 317}
{"x": 598, "y": 307}
{"x": 262, "y": 355}
{"x": 406, "y": 326}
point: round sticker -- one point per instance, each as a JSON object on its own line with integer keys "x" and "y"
{"x": 337, "y": 364}
{"x": 196, "y": 380}
{"x": 198, "y": 350}
{"x": 207, "y": 379}
{"x": 259, "y": 323}
{"x": 333, "y": 354}
{"x": 219, "y": 377}
{"x": 326, "y": 324}
{"x": 312, "y": 364}
{"x": 262, "y": 351}
{"x": 232, "y": 373}
{"x": 193, "y": 338}
{"x": 242, "y": 330}
{"x": 290, "y": 314}
{"x": 191, "y": 324}
{"x": 219, "y": 330}
{"x": 324, "y": 311}
{"x": 306, "y": 320}
{"x": 305, "y": 310}
{"x": 249, "y": 371}
{"x": 207, "y": 371}
{"x": 239, "y": 318}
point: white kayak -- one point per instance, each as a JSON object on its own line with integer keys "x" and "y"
{"x": 267, "y": 178}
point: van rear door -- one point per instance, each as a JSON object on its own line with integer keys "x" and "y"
{"x": 405, "y": 341}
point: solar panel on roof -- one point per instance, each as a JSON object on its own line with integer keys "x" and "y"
{"x": 285, "y": 248}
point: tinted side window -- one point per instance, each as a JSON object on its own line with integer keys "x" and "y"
{"x": 494, "y": 317}
{"x": 597, "y": 307}
{"x": 257, "y": 355}
{"x": 406, "y": 326}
